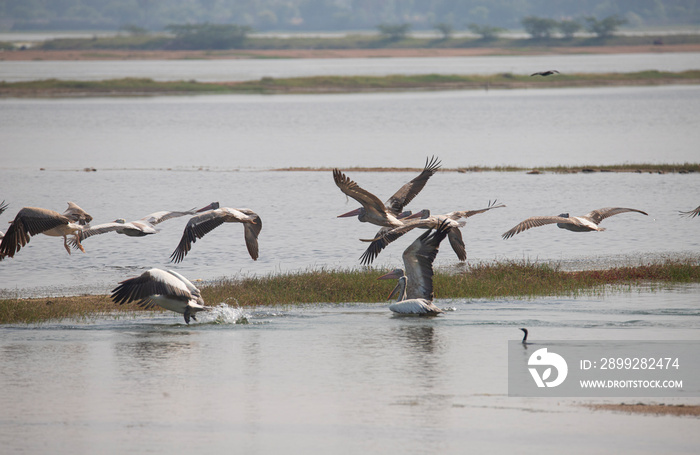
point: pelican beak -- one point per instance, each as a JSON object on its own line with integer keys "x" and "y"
{"x": 405, "y": 214}
{"x": 389, "y": 276}
{"x": 394, "y": 291}
{"x": 212, "y": 206}
{"x": 349, "y": 214}
{"x": 422, "y": 214}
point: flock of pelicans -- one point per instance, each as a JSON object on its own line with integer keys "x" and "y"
{"x": 174, "y": 292}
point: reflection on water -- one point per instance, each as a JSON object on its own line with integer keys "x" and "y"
{"x": 353, "y": 378}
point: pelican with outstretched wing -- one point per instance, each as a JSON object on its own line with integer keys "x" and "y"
{"x": 139, "y": 228}
{"x": 31, "y": 221}
{"x": 414, "y": 289}
{"x": 167, "y": 289}
{"x": 586, "y": 223}
{"x": 200, "y": 225}
{"x": 387, "y": 235}
{"x": 373, "y": 210}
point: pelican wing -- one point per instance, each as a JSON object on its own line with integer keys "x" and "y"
{"x": 418, "y": 262}
{"x": 410, "y": 190}
{"x": 454, "y": 235}
{"x": 251, "y": 232}
{"x": 536, "y": 221}
{"x": 467, "y": 213}
{"x": 29, "y": 221}
{"x": 200, "y": 225}
{"x": 387, "y": 235}
{"x": 3, "y": 207}
{"x": 77, "y": 215}
{"x": 368, "y": 200}
{"x": 151, "y": 283}
{"x": 159, "y": 217}
{"x": 689, "y": 213}
{"x": 599, "y": 215}
{"x": 104, "y": 228}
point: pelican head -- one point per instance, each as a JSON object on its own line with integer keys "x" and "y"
{"x": 396, "y": 274}
{"x": 564, "y": 215}
{"x": 422, "y": 214}
{"x": 212, "y": 206}
{"x": 120, "y": 221}
{"x": 357, "y": 212}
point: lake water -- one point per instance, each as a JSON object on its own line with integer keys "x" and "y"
{"x": 344, "y": 379}
{"x": 340, "y": 378}
{"x": 174, "y": 153}
{"x": 253, "y": 69}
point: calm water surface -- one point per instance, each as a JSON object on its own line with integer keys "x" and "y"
{"x": 245, "y": 69}
{"x": 347, "y": 379}
{"x": 466, "y": 128}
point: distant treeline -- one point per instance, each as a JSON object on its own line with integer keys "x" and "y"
{"x": 300, "y": 15}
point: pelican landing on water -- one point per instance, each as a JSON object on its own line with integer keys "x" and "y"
{"x": 167, "y": 289}
{"x": 373, "y": 210}
{"x": 586, "y": 223}
{"x": 414, "y": 290}
{"x": 31, "y": 221}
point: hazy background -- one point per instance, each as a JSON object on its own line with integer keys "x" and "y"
{"x": 330, "y": 15}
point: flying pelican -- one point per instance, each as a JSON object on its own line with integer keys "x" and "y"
{"x": 198, "y": 226}
{"x": 689, "y": 214}
{"x": 389, "y": 213}
{"x": 32, "y": 221}
{"x": 544, "y": 73}
{"x": 167, "y": 289}
{"x": 139, "y": 228}
{"x": 388, "y": 235}
{"x": 415, "y": 286}
{"x": 586, "y": 223}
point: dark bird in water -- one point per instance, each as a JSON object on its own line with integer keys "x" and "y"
{"x": 524, "y": 337}
{"x": 373, "y": 210}
{"x": 414, "y": 290}
{"x": 167, "y": 289}
{"x": 387, "y": 235}
{"x": 544, "y": 73}
{"x": 586, "y": 223}
{"x": 689, "y": 214}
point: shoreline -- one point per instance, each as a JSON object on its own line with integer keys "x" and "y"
{"x": 339, "y": 84}
{"x": 109, "y": 54}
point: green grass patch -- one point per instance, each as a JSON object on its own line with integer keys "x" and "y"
{"x": 340, "y": 84}
{"x": 481, "y": 281}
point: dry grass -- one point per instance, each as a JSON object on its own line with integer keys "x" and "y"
{"x": 495, "y": 280}
{"x": 679, "y": 410}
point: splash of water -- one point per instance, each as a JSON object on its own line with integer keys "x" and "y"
{"x": 224, "y": 314}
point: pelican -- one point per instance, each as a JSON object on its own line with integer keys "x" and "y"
{"x": 388, "y": 235}
{"x": 586, "y": 223}
{"x": 198, "y": 226}
{"x": 167, "y": 289}
{"x": 389, "y": 213}
{"x": 32, "y": 221}
{"x": 544, "y": 73}
{"x": 414, "y": 290}
{"x": 139, "y": 228}
{"x": 689, "y": 214}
